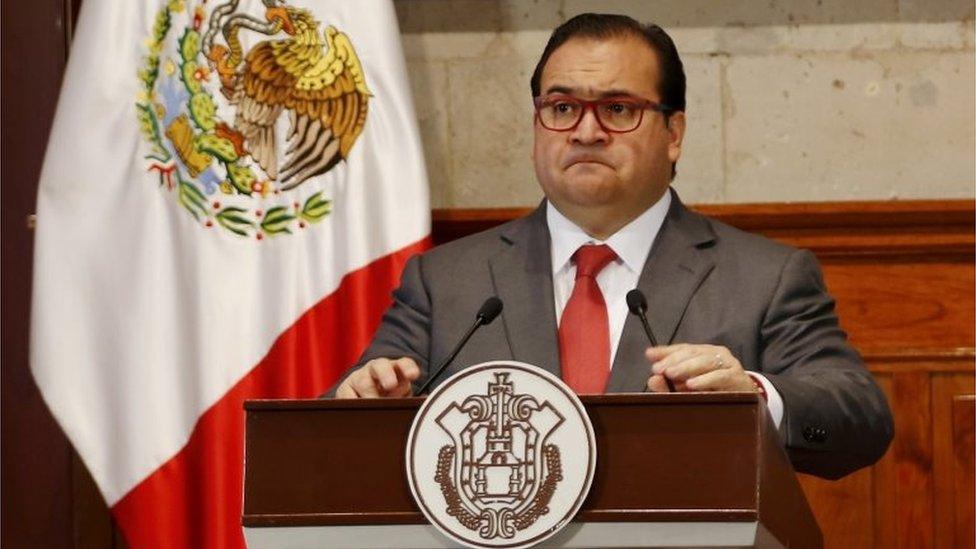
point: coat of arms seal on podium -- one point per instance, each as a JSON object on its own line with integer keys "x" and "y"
{"x": 501, "y": 455}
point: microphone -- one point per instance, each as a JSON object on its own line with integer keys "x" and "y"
{"x": 637, "y": 304}
{"x": 490, "y": 309}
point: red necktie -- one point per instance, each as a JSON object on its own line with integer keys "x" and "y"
{"x": 584, "y": 330}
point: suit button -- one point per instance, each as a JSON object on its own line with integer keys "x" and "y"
{"x": 814, "y": 434}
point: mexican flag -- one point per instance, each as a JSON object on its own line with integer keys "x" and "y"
{"x": 230, "y": 191}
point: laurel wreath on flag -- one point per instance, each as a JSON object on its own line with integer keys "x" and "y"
{"x": 203, "y": 138}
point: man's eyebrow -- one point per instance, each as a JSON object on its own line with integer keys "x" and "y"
{"x": 560, "y": 89}
{"x": 576, "y": 92}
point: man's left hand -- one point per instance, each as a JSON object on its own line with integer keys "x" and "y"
{"x": 697, "y": 368}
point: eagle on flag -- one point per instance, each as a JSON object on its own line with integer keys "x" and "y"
{"x": 316, "y": 77}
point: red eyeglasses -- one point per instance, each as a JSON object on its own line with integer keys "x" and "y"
{"x": 618, "y": 114}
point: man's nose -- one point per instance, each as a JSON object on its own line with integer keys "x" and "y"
{"x": 589, "y": 131}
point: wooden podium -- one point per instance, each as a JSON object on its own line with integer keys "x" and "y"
{"x": 673, "y": 470}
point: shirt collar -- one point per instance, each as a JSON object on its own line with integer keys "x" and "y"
{"x": 632, "y": 243}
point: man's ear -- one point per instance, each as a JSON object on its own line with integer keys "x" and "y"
{"x": 676, "y": 134}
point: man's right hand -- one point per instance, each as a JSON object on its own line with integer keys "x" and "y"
{"x": 381, "y": 377}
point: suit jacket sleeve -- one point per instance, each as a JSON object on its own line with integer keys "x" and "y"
{"x": 405, "y": 328}
{"x": 836, "y": 418}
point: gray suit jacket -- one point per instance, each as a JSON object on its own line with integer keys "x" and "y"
{"x": 705, "y": 282}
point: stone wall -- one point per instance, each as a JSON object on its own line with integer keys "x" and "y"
{"x": 788, "y": 100}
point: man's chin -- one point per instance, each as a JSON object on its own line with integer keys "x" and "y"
{"x": 592, "y": 193}
{"x": 593, "y": 182}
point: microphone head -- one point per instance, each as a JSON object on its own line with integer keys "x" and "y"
{"x": 636, "y": 301}
{"x": 490, "y": 309}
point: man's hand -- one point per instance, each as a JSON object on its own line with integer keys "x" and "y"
{"x": 381, "y": 377}
{"x": 696, "y": 368}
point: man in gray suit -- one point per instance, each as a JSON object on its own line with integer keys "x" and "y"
{"x": 737, "y": 312}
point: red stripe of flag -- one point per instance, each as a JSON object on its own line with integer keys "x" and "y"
{"x": 195, "y": 499}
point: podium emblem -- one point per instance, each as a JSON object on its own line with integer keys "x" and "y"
{"x": 501, "y": 455}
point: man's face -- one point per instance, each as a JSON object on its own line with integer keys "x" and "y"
{"x": 602, "y": 180}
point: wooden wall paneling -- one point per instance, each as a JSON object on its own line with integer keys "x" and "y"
{"x": 36, "y": 458}
{"x": 913, "y": 230}
{"x": 49, "y": 499}
{"x": 452, "y": 224}
{"x": 950, "y": 469}
{"x": 964, "y": 424}
{"x": 92, "y": 524}
{"x": 912, "y": 450}
{"x": 897, "y": 305}
{"x": 844, "y": 508}
{"x": 943, "y": 387}
{"x": 885, "y": 481}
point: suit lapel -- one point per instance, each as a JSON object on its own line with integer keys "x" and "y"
{"x": 522, "y": 275}
{"x": 674, "y": 270}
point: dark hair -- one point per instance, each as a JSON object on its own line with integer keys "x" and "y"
{"x": 601, "y": 25}
{"x": 671, "y": 82}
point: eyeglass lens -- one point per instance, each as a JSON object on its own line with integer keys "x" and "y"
{"x": 564, "y": 113}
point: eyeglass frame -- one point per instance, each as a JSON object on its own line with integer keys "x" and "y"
{"x": 642, "y": 104}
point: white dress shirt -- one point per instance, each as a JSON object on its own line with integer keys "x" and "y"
{"x": 632, "y": 244}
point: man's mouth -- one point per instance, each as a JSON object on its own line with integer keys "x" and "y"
{"x": 587, "y": 160}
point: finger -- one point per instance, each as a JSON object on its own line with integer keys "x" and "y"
{"x": 656, "y": 384}
{"x": 694, "y": 366}
{"x": 710, "y": 381}
{"x": 655, "y": 354}
{"x": 407, "y": 369}
{"x": 679, "y": 355}
{"x": 661, "y": 357}
{"x": 364, "y": 384}
{"x": 384, "y": 374}
{"x": 345, "y": 390}
{"x": 407, "y": 372}
{"x": 726, "y": 379}
{"x": 404, "y": 389}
